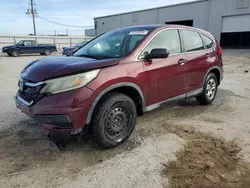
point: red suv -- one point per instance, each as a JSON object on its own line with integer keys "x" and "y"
{"x": 119, "y": 75}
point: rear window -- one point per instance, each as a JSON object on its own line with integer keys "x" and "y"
{"x": 208, "y": 42}
{"x": 192, "y": 41}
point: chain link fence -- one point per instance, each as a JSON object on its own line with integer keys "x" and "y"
{"x": 59, "y": 41}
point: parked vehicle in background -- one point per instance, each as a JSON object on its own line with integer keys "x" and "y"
{"x": 29, "y": 47}
{"x": 119, "y": 75}
{"x": 69, "y": 50}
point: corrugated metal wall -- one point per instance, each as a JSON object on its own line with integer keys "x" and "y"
{"x": 221, "y": 8}
{"x": 206, "y": 14}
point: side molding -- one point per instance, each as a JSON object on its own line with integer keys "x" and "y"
{"x": 106, "y": 90}
{"x": 177, "y": 98}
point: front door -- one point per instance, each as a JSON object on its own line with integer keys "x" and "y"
{"x": 166, "y": 78}
{"x": 29, "y": 47}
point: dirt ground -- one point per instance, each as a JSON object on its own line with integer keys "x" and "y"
{"x": 181, "y": 145}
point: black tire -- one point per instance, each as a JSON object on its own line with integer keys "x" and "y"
{"x": 9, "y": 54}
{"x": 42, "y": 54}
{"x": 47, "y": 52}
{"x": 14, "y": 53}
{"x": 209, "y": 90}
{"x": 114, "y": 120}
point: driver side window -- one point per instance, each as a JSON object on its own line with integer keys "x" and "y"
{"x": 168, "y": 39}
{"x": 27, "y": 43}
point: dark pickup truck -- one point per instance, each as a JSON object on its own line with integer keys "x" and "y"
{"x": 28, "y": 47}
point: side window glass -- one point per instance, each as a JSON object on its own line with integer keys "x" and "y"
{"x": 27, "y": 43}
{"x": 168, "y": 39}
{"x": 208, "y": 42}
{"x": 134, "y": 41}
{"x": 33, "y": 43}
{"x": 192, "y": 41}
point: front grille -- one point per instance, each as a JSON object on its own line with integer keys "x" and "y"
{"x": 24, "y": 96}
{"x": 29, "y": 93}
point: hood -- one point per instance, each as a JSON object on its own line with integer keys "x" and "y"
{"x": 9, "y": 46}
{"x": 69, "y": 48}
{"x": 52, "y": 67}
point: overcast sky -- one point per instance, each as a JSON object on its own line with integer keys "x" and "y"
{"x": 13, "y": 19}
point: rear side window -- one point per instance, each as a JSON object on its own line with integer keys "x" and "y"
{"x": 168, "y": 39}
{"x": 208, "y": 42}
{"x": 192, "y": 41}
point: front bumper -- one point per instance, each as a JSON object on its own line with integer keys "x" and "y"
{"x": 5, "y": 50}
{"x": 66, "y": 111}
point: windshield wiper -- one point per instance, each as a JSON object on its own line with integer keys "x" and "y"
{"x": 86, "y": 55}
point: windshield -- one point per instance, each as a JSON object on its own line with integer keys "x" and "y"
{"x": 81, "y": 44}
{"x": 114, "y": 44}
{"x": 20, "y": 42}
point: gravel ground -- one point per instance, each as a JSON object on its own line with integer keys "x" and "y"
{"x": 152, "y": 154}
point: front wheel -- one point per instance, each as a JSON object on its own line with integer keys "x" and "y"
{"x": 114, "y": 120}
{"x": 14, "y": 53}
{"x": 209, "y": 90}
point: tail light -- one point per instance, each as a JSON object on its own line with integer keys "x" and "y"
{"x": 220, "y": 51}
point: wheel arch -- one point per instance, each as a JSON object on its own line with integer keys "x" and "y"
{"x": 127, "y": 88}
{"x": 217, "y": 71}
{"x": 17, "y": 49}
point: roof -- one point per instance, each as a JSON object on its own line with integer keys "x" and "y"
{"x": 142, "y": 26}
{"x": 178, "y": 4}
{"x": 163, "y": 26}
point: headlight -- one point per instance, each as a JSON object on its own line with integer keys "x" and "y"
{"x": 67, "y": 83}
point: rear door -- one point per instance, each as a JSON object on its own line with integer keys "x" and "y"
{"x": 199, "y": 58}
{"x": 166, "y": 78}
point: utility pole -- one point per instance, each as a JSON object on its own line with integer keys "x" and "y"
{"x": 33, "y": 12}
{"x": 67, "y": 32}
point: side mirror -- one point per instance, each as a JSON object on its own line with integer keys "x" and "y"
{"x": 157, "y": 53}
{"x": 69, "y": 53}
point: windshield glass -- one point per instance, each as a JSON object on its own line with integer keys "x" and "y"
{"x": 20, "y": 42}
{"x": 114, "y": 44}
{"x": 81, "y": 44}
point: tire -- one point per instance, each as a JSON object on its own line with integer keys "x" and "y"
{"x": 114, "y": 120}
{"x": 47, "y": 52}
{"x": 42, "y": 54}
{"x": 14, "y": 53}
{"x": 209, "y": 90}
{"x": 9, "y": 54}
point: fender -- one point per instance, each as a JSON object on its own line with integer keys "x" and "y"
{"x": 106, "y": 90}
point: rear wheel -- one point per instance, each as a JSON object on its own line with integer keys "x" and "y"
{"x": 14, "y": 53}
{"x": 209, "y": 90}
{"x": 47, "y": 52}
{"x": 114, "y": 120}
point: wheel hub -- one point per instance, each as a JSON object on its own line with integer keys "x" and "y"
{"x": 211, "y": 89}
{"x": 116, "y": 123}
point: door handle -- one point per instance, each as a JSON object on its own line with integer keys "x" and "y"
{"x": 207, "y": 55}
{"x": 182, "y": 61}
